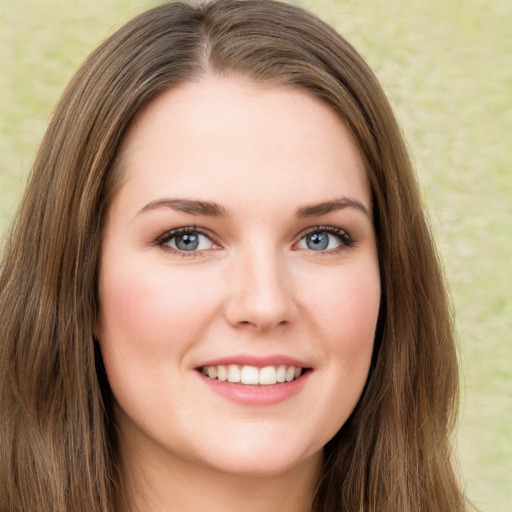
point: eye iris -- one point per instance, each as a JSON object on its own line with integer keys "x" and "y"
{"x": 187, "y": 242}
{"x": 317, "y": 241}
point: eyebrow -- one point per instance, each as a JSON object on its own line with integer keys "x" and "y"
{"x": 213, "y": 209}
{"x": 190, "y": 206}
{"x": 317, "y": 210}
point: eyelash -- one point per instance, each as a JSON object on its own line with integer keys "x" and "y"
{"x": 162, "y": 240}
{"x": 346, "y": 240}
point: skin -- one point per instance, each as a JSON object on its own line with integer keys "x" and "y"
{"x": 253, "y": 287}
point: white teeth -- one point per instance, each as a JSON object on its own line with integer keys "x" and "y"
{"x": 222, "y": 373}
{"x": 266, "y": 376}
{"x": 233, "y": 373}
{"x": 281, "y": 373}
{"x": 249, "y": 375}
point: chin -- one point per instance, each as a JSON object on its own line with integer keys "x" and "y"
{"x": 255, "y": 459}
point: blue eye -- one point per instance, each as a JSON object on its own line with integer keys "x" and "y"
{"x": 324, "y": 239}
{"x": 189, "y": 242}
{"x": 186, "y": 240}
{"x": 318, "y": 241}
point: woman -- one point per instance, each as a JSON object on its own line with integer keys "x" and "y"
{"x": 221, "y": 291}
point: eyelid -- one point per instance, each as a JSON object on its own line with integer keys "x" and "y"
{"x": 347, "y": 241}
{"x": 172, "y": 233}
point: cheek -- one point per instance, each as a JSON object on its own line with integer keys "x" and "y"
{"x": 149, "y": 320}
{"x": 354, "y": 325}
{"x": 345, "y": 312}
{"x": 149, "y": 306}
{"x": 345, "y": 307}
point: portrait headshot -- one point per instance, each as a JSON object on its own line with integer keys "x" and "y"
{"x": 255, "y": 256}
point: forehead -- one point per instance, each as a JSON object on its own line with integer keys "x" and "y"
{"x": 259, "y": 140}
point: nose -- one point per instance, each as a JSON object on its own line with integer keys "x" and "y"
{"x": 261, "y": 292}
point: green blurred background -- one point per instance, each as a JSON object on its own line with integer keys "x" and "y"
{"x": 447, "y": 68}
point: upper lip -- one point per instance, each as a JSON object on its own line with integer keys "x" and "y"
{"x": 258, "y": 361}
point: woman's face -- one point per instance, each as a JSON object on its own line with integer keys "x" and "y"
{"x": 240, "y": 245}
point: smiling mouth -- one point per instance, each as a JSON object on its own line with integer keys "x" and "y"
{"x": 253, "y": 375}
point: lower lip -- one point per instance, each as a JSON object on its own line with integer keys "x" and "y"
{"x": 256, "y": 395}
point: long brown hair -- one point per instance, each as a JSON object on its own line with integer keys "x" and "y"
{"x": 57, "y": 438}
